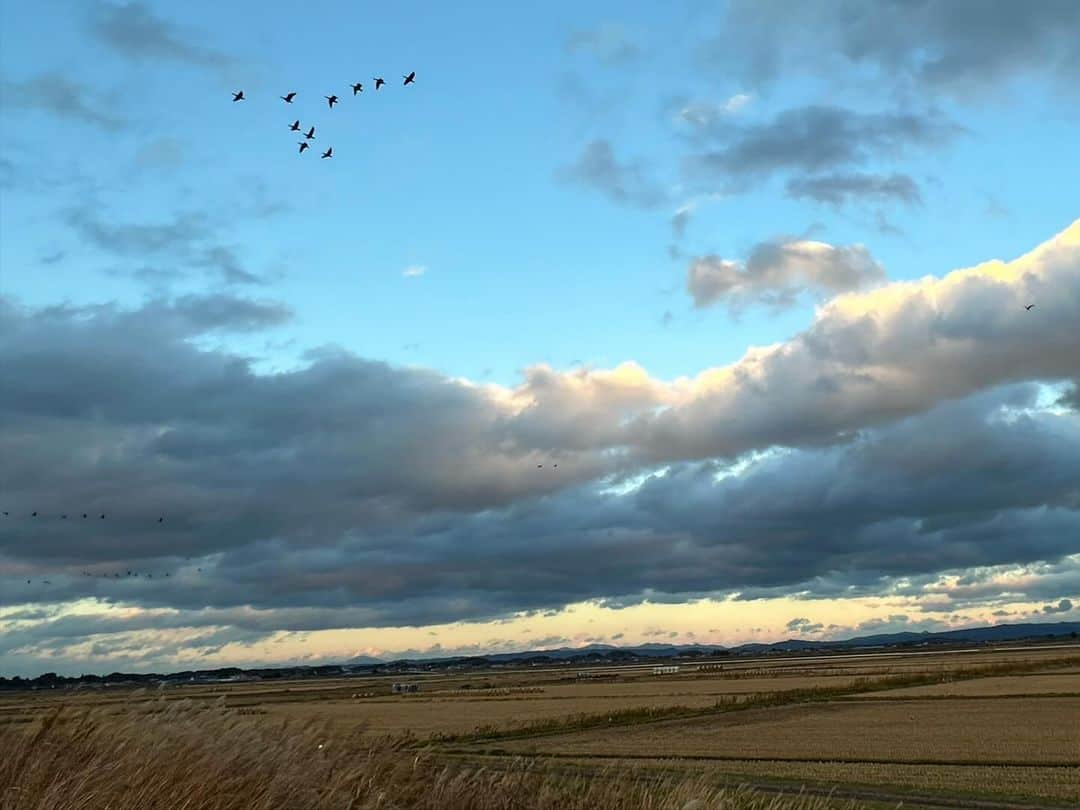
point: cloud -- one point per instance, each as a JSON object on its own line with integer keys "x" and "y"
{"x": 610, "y": 44}
{"x": 967, "y": 49}
{"x": 626, "y": 183}
{"x": 703, "y": 118}
{"x": 838, "y": 189}
{"x": 414, "y": 271}
{"x": 804, "y": 626}
{"x": 187, "y": 239}
{"x": 777, "y": 272}
{"x": 63, "y": 97}
{"x": 813, "y": 139}
{"x": 1064, "y": 606}
{"x": 899, "y": 436}
{"x": 137, "y": 33}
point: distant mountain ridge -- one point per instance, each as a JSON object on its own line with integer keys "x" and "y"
{"x": 999, "y": 632}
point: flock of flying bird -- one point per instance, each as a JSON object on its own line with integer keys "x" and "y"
{"x": 331, "y": 100}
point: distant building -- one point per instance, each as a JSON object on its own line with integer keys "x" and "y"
{"x": 401, "y": 688}
{"x": 670, "y": 669}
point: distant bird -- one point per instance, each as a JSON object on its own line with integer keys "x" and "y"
{"x": 1029, "y": 306}
{"x": 357, "y": 88}
{"x": 410, "y": 78}
{"x": 161, "y": 520}
{"x": 288, "y": 98}
{"x": 238, "y": 95}
{"x": 84, "y": 515}
{"x": 331, "y": 101}
{"x": 329, "y": 152}
{"x": 64, "y": 517}
{"x": 379, "y": 83}
{"x": 102, "y": 516}
{"x": 5, "y": 514}
{"x": 539, "y": 466}
{"x": 554, "y": 465}
{"x": 295, "y": 125}
{"x": 310, "y": 134}
{"x": 303, "y": 145}
{"x": 33, "y": 514}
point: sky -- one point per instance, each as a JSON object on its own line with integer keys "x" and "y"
{"x": 753, "y": 275}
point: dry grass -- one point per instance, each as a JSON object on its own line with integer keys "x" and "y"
{"x": 980, "y": 731}
{"x": 181, "y": 757}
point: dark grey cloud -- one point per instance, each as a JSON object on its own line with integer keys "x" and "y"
{"x": 626, "y": 183}
{"x": 968, "y": 48}
{"x": 186, "y": 240}
{"x": 610, "y": 44}
{"x": 778, "y": 271}
{"x": 134, "y": 31}
{"x": 1063, "y": 606}
{"x": 813, "y": 139}
{"x": 838, "y": 189}
{"x": 57, "y": 94}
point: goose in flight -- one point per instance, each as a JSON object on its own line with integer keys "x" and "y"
{"x": 310, "y": 134}
{"x": 331, "y": 101}
{"x": 238, "y": 95}
{"x": 379, "y": 83}
{"x": 357, "y": 88}
{"x": 288, "y": 97}
{"x": 1029, "y": 306}
{"x": 295, "y": 125}
{"x": 303, "y": 145}
{"x": 329, "y": 152}
{"x": 410, "y": 78}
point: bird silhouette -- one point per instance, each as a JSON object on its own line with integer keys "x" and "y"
{"x": 303, "y": 145}
{"x": 331, "y": 101}
{"x": 310, "y": 134}
{"x": 238, "y": 95}
{"x": 295, "y": 125}
{"x": 357, "y": 88}
{"x": 63, "y": 517}
{"x": 33, "y": 514}
{"x": 84, "y": 515}
{"x": 379, "y": 83}
{"x": 1029, "y": 306}
{"x": 161, "y": 520}
{"x": 329, "y": 152}
{"x": 288, "y": 97}
{"x": 410, "y": 78}
{"x": 102, "y": 516}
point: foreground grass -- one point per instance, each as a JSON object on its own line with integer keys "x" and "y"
{"x": 760, "y": 700}
{"x": 186, "y": 757}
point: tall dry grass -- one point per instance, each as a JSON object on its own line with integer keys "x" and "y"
{"x": 181, "y": 756}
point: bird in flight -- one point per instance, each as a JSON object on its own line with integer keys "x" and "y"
{"x": 161, "y": 520}
{"x": 288, "y": 98}
{"x": 1029, "y": 306}
{"x": 303, "y": 145}
{"x": 33, "y": 514}
{"x": 357, "y": 88}
{"x": 331, "y": 100}
{"x": 329, "y": 152}
{"x": 295, "y": 125}
{"x": 379, "y": 83}
{"x": 310, "y": 134}
{"x": 238, "y": 95}
{"x": 410, "y": 78}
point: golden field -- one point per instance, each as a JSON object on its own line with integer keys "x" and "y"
{"x": 873, "y": 730}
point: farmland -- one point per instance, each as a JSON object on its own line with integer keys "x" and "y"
{"x": 949, "y": 726}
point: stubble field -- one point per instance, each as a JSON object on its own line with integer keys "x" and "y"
{"x": 962, "y": 727}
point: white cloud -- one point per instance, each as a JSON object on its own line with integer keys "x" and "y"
{"x": 414, "y": 271}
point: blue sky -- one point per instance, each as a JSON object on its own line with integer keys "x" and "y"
{"x": 533, "y": 172}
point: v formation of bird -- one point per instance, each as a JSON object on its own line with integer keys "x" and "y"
{"x": 331, "y": 100}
